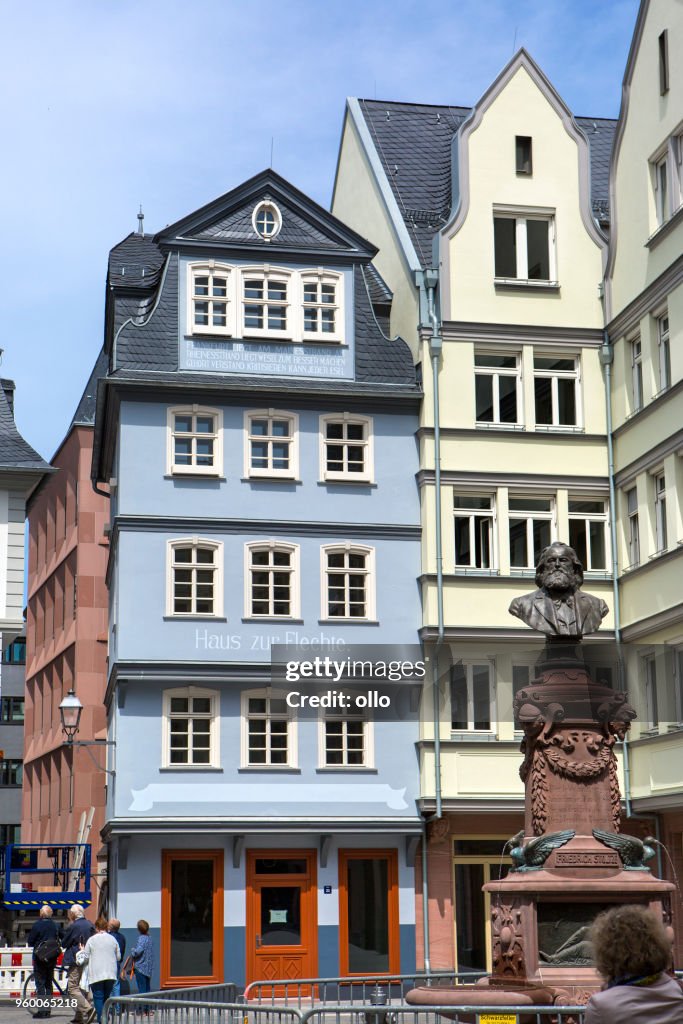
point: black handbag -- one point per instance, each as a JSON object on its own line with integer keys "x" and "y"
{"x": 48, "y": 949}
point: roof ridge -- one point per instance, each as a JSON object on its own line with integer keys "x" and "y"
{"x": 416, "y": 103}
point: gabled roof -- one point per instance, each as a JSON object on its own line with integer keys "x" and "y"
{"x": 15, "y": 452}
{"x": 227, "y": 221}
{"x": 414, "y": 141}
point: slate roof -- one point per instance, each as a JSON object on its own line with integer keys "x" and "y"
{"x": 295, "y": 232}
{"x": 15, "y": 452}
{"x": 150, "y": 340}
{"x": 135, "y": 262}
{"x": 85, "y": 410}
{"x": 414, "y": 142}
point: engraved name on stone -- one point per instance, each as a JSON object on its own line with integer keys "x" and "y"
{"x": 569, "y": 859}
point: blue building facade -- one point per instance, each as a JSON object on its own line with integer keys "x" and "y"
{"x": 257, "y": 432}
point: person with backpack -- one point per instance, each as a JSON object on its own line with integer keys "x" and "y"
{"x": 45, "y": 938}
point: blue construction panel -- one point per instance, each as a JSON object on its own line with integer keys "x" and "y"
{"x": 26, "y": 867}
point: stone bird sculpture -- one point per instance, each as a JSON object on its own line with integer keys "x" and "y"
{"x": 634, "y": 852}
{"x": 533, "y": 855}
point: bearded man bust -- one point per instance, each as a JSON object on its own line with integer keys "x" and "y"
{"x": 558, "y": 607}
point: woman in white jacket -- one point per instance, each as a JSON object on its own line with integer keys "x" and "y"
{"x": 102, "y": 955}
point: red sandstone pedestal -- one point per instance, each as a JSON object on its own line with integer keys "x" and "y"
{"x": 542, "y": 911}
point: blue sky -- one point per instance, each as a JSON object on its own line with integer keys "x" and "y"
{"x": 170, "y": 104}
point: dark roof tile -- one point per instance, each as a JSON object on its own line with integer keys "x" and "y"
{"x": 414, "y": 141}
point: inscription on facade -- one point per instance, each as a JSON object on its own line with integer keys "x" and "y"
{"x": 276, "y": 359}
{"x": 586, "y": 860}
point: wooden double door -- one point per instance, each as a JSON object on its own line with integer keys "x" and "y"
{"x": 282, "y": 925}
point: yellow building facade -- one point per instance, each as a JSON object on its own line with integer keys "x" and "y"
{"x": 644, "y": 307}
{"x": 508, "y": 251}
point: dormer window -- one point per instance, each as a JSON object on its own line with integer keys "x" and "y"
{"x": 265, "y": 301}
{"x": 210, "y": 299}
{"x": 267, "y": 220}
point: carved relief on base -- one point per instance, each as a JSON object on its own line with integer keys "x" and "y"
{"x": 508, "y": 940}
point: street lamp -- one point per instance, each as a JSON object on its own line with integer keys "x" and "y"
{"x": 70, "y": 711}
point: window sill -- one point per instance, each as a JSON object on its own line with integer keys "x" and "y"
{"x": 357, "y": 769}
{"x": 190, "y": 768}
{"x": 558, "y": 428}
{"x": 665, "y": 229}
{"x": 273, "y": 618}
{"x": 210, "y": 335}
{"x": 475, "y": 737}
{"x": 464, "y": 571}
{"x": 269, "y": 478}
{"x": 193, "y": 474}
{"x": 354, "y": 481}
{"x": 516, "y": 282}
{"x": 348, "y": 622}
{"x": 481, "y": 425}
{"x": 258, "y": 768}
{"x": 657, "y": 554}
{"x": 195, "y": 618}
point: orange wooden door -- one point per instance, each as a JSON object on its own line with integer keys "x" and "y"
{"x": 191, "y": 918}
{"x": 282, "y": 926}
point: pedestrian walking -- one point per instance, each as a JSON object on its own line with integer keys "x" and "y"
{"x": 45, "y": 938}
{"x": 102, "y": 955}
{"x": 113, "y": 928}
{"x": 142, "y": 958}
{"x": 75, "y": 936}
{"x": 632, "y": 953}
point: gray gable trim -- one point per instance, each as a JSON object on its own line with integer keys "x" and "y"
{"x": 653, "y": 457}
{"x": 190, "y": 228}
{"x": 518, "y": 334}
{"x": 651, "y": 297}
{"x": 461, "y": 180}
{"x": 616, "y": 149}
{"x": 285, "y": 825}
{"x": 522, "y": 481}
{"x": 405, "y": 244}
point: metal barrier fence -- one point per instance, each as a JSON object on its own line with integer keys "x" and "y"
{"x": 435, "y": 1015}
{"x": 356, "y": 990}
{"x": 133, "y": 1010}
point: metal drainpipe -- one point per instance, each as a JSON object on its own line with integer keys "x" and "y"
{"x": 607, "y": 358}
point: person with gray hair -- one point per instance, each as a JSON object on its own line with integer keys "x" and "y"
{"x": 44, "y": 937}
{"x": 76, "y": 936}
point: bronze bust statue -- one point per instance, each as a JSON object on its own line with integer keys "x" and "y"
{"x": 558, "y": 607}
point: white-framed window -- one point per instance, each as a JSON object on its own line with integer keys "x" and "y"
{"x": 637, "y": 374}
{"x": 677, "y": 654}
{"x": 523, "y": 158}
{"x": 556, "y": 390}
{"x": 524, "y": 246}
{"x": 191, "y": 728}
{"x": 266, "y": 220}
{"x": 195, "y": 577}
{"x": 662, "y": 193}
{"x": 472, "y": 697}
{"x": 348, "y": 586}
{"x": 651, "y": 695}
{"x": 271, "y": 444}
{"x": 677, "y": 186}
{"x": 321, "y": 305}
{"x": 346, "y": 448}
{"x": 346, "y": 739}
{"x": 661, "y": 538}
{"x": 497, "y": 388}
{"x": 531, "y": 524}
{"x": 271, "y": 580}
{"x": 266, "y": 302}
{"x": 664, "y": 351}
{"x": 195, "y": 440}
{"x": 473, "y": 520}
{"x": 633, "y": 536}
{"x": 268, "y": 730}
{"x": 209, "y": 301}
{"x": 588, "y": 525}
